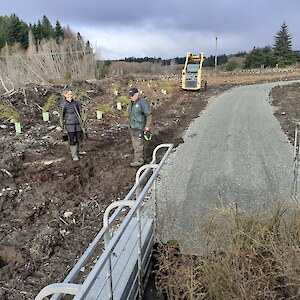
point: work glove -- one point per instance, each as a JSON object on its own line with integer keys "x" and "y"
{"x": 147, "y": 134}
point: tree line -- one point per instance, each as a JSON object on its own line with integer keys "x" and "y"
{"x": 43, "y": 54}
{"x": 209, "y": 61}
{"x": 280, "y": 55}
{"x": 15, "y": 31}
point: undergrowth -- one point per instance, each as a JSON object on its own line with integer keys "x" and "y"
{"x": 246, "y": 256}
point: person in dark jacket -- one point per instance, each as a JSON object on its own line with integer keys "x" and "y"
{"x": 70, "y": 121}
{"x": 140, "y": 120}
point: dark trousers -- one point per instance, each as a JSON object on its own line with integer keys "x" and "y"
{"x": 75, "y": 137}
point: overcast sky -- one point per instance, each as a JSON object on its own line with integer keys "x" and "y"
{"x": 166, "y": 28}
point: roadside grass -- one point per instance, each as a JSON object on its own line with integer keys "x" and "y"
{"x": 245, "y": 256}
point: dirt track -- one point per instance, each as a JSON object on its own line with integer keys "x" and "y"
{"x": 51, "y": 207}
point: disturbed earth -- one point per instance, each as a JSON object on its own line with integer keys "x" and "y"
{"x": 50, "y": 206}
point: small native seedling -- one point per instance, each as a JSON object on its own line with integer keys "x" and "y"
{"x": 10, "y": 114}
{"x": 122, "y": 101}
{"x": 46, "y": 107}
{"x": 103, "y": 108}
{"x": 49, "y": 103}
{"x": 116, "y": 88}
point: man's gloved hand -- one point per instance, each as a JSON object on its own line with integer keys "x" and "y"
{"x": 147, "y": 134}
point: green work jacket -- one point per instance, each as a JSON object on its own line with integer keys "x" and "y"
{"x": 138, "y": 112}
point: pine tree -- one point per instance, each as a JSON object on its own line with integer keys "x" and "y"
{"x": 47, "y": 30}
{"x": 58, "y": 32}
{"x": 283, "y": 52}
{"x": 4, "y": 21}
{"x": 260, "y": 57}
{"x": 17, "y": 31}
{"x": 37, "y": 30}
{"x": 254, "y": 59}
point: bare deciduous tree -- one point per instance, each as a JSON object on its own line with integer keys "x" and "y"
{"x": 47, "y": 63}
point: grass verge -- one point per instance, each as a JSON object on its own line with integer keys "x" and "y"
{"x": 245, "y": 256}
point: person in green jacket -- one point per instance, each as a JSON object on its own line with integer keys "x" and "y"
{"x": 140, "y": 121}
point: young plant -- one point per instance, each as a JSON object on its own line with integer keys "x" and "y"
{"x": 82, "y": 119}
{"x": 166, "y": 86}
{"x": 124, "y": 100}
{"x": 80, "y": 95}
{"x": 116, "y": 88}
{"x": 84, "y": 115}
{"x": 104, "y": 107}
{"x": 130, "y": 83}
{"x": 46, "y": 107}
{"x": 9, "y": 114}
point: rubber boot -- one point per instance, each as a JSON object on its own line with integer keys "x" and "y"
{"x": 74, "y": 152}
{"x": 137, "y": 163}
{"x": 78, "y": 151}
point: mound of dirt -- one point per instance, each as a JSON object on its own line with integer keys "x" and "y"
{"x": 51, "y": 207}
{"x": 286, "y": 102}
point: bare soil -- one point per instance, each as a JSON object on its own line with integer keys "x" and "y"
{"x": 50, "y": 206}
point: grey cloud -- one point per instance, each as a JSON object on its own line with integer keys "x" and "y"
{"x": 246, "y": 23}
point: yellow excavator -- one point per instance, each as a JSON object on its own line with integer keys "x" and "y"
{"x": 191, "y": 75}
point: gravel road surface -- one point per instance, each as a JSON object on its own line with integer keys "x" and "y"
{"x": 234, "y": 155}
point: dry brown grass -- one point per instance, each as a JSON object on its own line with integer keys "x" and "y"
{"x": 247, "y": 256}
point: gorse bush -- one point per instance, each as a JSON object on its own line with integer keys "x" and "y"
{"x": 231, "y": 65}
{"x": 246, "y": 257}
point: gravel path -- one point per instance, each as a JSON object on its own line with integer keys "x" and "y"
{"x": 234, "y": 154}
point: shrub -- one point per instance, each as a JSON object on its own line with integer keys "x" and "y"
{"x": 231, "y": 65}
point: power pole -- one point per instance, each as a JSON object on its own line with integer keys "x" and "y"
{"x": 216, "y": 56}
